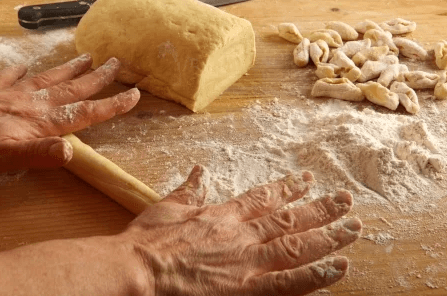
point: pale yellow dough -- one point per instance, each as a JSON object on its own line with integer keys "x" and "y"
{"x": 109, "y": 178}
{"x": 180, "y": 50}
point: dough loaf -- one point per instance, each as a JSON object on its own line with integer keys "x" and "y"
{"x": 180, "y": 50}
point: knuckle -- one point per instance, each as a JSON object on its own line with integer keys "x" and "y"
{"x": 262, "y": 230}
{"x": 286, "y": 220}
{"x": 292, "y": 246}
{"x": 321, "y": 210}
{"x": 283, "y": 282}
{"x": 70, "y": 88}
{"x": 88, "y": 110}
{"x": 42, "y": 80}
{"x": 261, "y": 198}
{"x": 316, "y": 275}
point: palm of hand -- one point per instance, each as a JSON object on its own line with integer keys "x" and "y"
{"x": 34, "y": 112}
{"x": 245, "y": 246}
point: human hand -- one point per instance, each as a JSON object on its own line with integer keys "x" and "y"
{"x": 34, "y": 112}
{"x": 246, "y": 246}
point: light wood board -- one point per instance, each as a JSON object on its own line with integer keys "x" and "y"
{"x": 42, "y": 205}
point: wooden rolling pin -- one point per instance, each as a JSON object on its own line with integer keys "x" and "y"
{"x": 109, "y": 178}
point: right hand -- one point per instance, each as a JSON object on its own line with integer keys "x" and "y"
{"x": 246, "y": 246}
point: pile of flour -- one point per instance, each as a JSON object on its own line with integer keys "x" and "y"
{"x": 391, "y": 159}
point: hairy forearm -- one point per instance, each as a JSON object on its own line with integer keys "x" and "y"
{"x": 89, "y": 266}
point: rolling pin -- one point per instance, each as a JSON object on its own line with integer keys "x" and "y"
{"x": 109, "y": 178}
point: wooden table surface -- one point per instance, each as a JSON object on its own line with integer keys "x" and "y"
{"x": 43, "y": 205}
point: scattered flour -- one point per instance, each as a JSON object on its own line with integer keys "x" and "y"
{"x": 381, "y": 158}
{"x": 41, "y": 95}
{"x": 33, "y": 49}
{"x": 381, "y": 238}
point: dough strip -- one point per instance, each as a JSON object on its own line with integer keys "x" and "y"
{"x": 109, "y": 178}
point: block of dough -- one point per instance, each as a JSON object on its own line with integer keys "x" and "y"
{"x": 109, "y": 178}
{"x": 181, "y": 50}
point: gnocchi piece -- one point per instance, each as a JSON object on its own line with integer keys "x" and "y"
{"x": 352, "y": 74}
{"x": 398, "y": 26}
{"x": 346, "y": 31}
{"x": 390, "y": 59}
{"x": 441, "y": 87}
{"x": 419, "y": 79}
{"x": 350, "y": 48}
{"x": 441, "y": 54}
{"x": 410, "y": 49}
{"x": 373, "y": 69}
{"x": 319, "y": 51}
{"x": 438, "y": 163}
{"x": 391, "y": 73}
{"x": 337, "y": 88}
{"x": 366, "y": 25}
{"x": 380, "y": 38}
{"x": 348, "y": 68}
{"x": 370, "y": 54}
{"x": 290, "y": 32}
{"x": 301, "y": 53}
{"x": 407, "y": 96}
{"x": 380, "y": 95}
{"x": 331, "y": 37}
{"x": 326, "y": 70}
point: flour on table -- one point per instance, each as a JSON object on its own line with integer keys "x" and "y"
{"x": 32, "y": 49}
{"x": 381, "y": 238}
{"x": 389, "y": 159}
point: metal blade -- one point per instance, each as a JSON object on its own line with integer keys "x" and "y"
{"x": 221, "y": 2}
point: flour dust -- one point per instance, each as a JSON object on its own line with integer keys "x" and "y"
{"x": 390, "y": 159}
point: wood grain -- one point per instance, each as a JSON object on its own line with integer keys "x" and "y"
{"x": 42, "y": 205}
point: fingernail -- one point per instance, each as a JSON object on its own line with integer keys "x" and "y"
{"x": 308, "y": 176}
{"x": 111, "y": 62}
{"x": 343, "y": 197}
{"x": 84, "y": 57}
{"x": 340, "y": 263}
{"x": 354, "y": 225}
{"x": 62, "y": 151}
{"x": 81, "y": 59}
{"x": 130, "y": 95}
{"x": 134, "y": 91}
{"x": 127, "y": 100}
{"x": 330, "y": 269}
{"x": 199, "y": 177}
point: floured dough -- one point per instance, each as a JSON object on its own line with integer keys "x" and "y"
{"x": 180, "y": 50}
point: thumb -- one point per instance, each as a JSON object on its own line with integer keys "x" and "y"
{"x": 41, "y": 153}
{"x": 194, "y": 190}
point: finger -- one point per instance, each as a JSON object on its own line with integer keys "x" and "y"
{"x": 299, "y": 281}
{"x": 73, "y": 117}
{"x": 299, "y": 219}
{"x": 194, "y": 190}
{"x": 52, "y": 152}
{"x": 10, "y": 75}
{"x": 84, "y": 87}
{"x": 56, "y": 75}
{"x": 264, "y": 199}
{"x": 293, "y": 250}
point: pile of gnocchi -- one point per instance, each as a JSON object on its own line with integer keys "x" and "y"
{"x": 351, "y": 69}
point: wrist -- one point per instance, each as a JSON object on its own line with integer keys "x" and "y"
{"x": 139, "y": 271}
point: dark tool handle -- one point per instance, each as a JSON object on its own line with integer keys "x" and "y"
{"x": 54, "y": 14}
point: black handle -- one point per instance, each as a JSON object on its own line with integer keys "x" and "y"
{"x": 54, "y": 14}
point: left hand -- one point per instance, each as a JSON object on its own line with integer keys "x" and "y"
{"x": 34, "y": 112}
